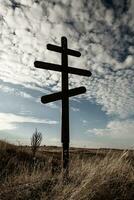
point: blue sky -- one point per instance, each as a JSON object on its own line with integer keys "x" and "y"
{"x": 103, "y": 31}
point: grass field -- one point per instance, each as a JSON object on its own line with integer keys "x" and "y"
{"x": 101, "y": 174}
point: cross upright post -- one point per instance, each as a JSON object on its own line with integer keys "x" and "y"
{"x": 64, "y": 94}
{"x": 65, "y": 110}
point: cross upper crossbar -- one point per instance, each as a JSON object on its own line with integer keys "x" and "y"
{"x": 58, "y": 49}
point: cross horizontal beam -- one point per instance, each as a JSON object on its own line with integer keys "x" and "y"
{"x": 58, "y": 49}
{"x": 59, "y": 95}
{"x": 59, "y": 68}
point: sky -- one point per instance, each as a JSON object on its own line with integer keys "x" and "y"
{"x": 103, "y": 31}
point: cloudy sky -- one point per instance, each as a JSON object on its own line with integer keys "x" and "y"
{"x": 103, "y": 31}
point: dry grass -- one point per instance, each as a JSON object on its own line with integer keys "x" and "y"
{"x": 109, "y": 177}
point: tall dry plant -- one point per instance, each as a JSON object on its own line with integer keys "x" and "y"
{"x": 36, "y": 141}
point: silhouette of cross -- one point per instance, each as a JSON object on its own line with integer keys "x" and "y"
{"x": 64, "y": 94}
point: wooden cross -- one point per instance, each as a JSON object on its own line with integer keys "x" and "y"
{"x": 64, "y": 94}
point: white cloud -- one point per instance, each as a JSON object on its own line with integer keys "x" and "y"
{"x": 84, "y": 121}
{"x": 104, "y": 36}
{"x": 52, "y": 105}
{"x": 15, "y": 92}
{"x": 115, "y": 93}
{"x": 9, "y": 121}
{"x": 75, "y": 109}
{"x": 116, "y": 129}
